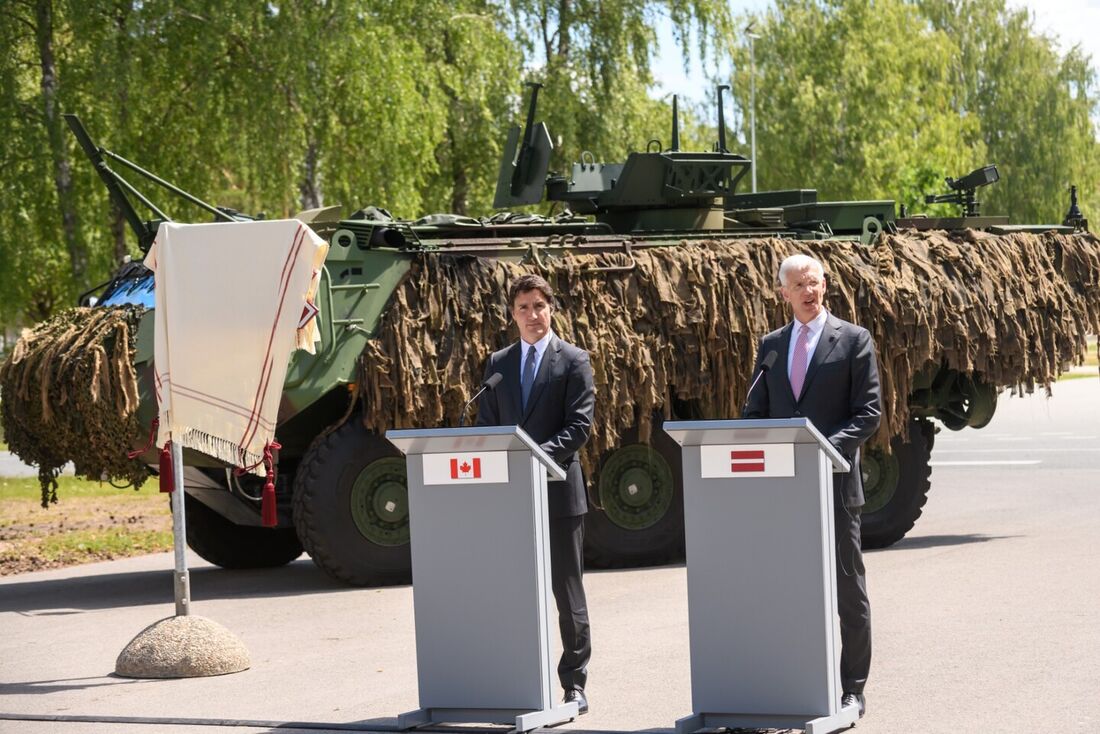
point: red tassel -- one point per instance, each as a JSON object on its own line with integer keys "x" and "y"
{"x": 268, "y": 510}
{"x": 167, "y": 477}
{"x": 269, "y": 513}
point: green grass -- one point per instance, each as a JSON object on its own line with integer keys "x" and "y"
{"x": 91, "y": 521}
{"x": 84, "y": 545}
{"x": 67, "y": 488}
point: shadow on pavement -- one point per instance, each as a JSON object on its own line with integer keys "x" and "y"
{"x": 62, "y": 684}
{"x": 936, "y": 541}
{"x": 111, "y": 590}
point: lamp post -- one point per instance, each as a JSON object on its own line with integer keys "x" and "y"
{"x": 752, "y": 100}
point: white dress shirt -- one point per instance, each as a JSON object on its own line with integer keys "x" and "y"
{"x": 540, "y": 349}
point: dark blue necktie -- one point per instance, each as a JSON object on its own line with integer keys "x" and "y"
{"x": 528, "y": 375}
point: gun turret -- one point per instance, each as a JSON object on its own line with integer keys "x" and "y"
{"x": 964, "y": 190}
{"x": 659, "y": 189}
{"x": 523, "y": 171}
{"x": 1074, "y": 218}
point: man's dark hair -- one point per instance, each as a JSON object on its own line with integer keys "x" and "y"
{"x": 531, "y": 282}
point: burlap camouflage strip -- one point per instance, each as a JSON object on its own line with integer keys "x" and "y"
{"x": 681, "y": 327}
{"x": 684, "y": 324}
{"x": 70, "y": 394}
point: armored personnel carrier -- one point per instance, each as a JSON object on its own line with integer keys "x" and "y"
{"x": 665, "y": 270}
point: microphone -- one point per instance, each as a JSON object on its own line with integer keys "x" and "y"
{"x": 490, "y": 384}
{"x": 765, "y": 365}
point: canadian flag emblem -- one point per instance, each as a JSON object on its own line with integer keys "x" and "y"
{"x": 466, "y": 468}
{"x": 746, "y": 461}
{"x": 484, "y": 467}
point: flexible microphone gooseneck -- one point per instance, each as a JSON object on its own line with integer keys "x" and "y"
{"x": 490, "y": 383}
{"x": 765, "y": 365}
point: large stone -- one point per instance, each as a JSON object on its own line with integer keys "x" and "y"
{"x": 183, "y": 647}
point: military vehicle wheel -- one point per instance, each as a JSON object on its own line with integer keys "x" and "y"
{"x": 351, "y": 507}
{"x": 641, "y": 491}
{"x": 895, "y": 487}
{"x": 229, "y": 545}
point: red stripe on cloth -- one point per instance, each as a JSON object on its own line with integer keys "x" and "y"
{"x": 265, "y": 372}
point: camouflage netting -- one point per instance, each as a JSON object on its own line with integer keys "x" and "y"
{"x": 1015, "y": 309}
{"x": 70, "y": 394}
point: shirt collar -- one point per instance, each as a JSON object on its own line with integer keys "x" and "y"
{"x": 815, "y": 326}
{"x": 540, "y": 345}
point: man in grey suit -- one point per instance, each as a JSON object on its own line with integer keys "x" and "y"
{"x": 827, "y": 372}
{"x": 547, "y": 390}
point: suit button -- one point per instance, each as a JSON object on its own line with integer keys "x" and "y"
{"x": 797, "y": 413}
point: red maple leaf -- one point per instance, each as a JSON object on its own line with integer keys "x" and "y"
{"x": 465, "y": 467}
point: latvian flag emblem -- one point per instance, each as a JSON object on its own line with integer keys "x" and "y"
{"x": 746, "y": 461}
{"x": 466, "y": 468}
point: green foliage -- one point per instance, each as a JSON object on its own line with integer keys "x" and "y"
{"x": 850, "y": 110}
{"x": 292, "y": 104}
{"x": 1037, "y": 108}
{"x": 885, "y": 98}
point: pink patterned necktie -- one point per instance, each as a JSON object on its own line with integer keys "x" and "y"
{"x": 800, "y": 360}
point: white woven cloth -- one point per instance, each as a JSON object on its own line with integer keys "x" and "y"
{"x": 233, "y": 301}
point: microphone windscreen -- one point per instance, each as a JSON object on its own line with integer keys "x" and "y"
{"x": 769, "y": 360}
{"x": 494, "y": 380}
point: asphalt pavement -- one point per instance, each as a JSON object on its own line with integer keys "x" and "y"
{"x": 986, "y": 618}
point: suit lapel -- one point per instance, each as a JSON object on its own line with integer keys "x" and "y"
{"x": 549, "y": 358}
{"x": 825, "y": 344}
{"x": 509, "y": 366}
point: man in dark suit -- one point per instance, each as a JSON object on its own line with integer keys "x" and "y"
{"x": 547, "y": 390}
{"x": 827, "y": 372}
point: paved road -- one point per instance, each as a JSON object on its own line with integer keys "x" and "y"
{"x": 987, "y": 618}
{"x": 12, "y": 466}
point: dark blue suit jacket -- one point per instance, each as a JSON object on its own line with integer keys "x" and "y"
{"x": 558, "y": 416}
{"x": 841, "y": 393}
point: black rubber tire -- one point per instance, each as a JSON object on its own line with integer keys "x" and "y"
{"x": 229, "y": 545}
{"x": 607, "y": 545}
{"x": 888, "y": 524}
{"x": 323, "y": 514}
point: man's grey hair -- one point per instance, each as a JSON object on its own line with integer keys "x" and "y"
{"x": 798, "y": 263}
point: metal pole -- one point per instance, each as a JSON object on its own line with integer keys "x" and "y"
{"x": 752, "y": 107}
{"x": 179, "y": 535}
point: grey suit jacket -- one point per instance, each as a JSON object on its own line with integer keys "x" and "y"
{"x": 558, "y": 415}
{"x": 841, "y": 393}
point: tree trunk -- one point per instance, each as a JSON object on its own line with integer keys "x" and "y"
{"x": 460, "y": 182}
{"x": 119, "y": 224}
{"x": 62, "y": 167}
{"x": 310, "y": 186}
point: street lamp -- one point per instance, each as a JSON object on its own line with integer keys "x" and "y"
{"x": 752, "y": 100}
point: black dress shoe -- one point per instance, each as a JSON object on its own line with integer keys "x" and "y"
{"x": 849, "y": 699}
{"x": 577, "y": 694}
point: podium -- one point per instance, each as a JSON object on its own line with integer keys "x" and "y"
{"x": 481, "y": 577}
{"x": 761, "y": 578}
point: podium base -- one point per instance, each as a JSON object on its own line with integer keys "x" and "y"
{"x": 842, "y": 719}
{"x": 524, "y": 719}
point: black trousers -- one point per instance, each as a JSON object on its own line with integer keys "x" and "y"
{"x": 566, "y": 572}
{"x": 852, "y": 603}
